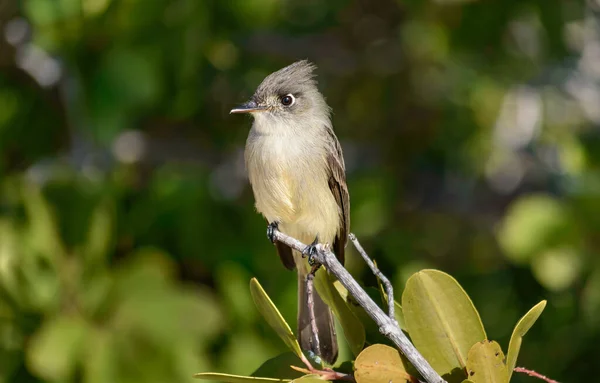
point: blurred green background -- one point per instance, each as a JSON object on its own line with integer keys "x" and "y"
{"x": 128, "y": 236}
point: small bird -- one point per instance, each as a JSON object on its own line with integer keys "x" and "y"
{"x": 297, "y": 172}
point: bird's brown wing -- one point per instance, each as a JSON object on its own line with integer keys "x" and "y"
{"x": 339, "y": 189}
{"x": 286, "y": 256}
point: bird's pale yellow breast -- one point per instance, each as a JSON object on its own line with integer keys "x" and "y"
{"x": 291, "y": 187}
{"x": 273, "y": 180}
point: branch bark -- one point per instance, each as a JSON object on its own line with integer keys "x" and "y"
{"x": 387, "y": 325}
{"x": 389, "y": 290}
{"x": 534, "y": 374}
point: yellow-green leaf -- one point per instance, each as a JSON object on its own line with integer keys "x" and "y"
{"x": 56, "y": 349}
{"x": 372, "y": 332}
{"x": 309, "y": 379}
{"x": 43, "y": 233}
{"x": 380, "y": 363}
{"x": 532, "y": 224}
{"x": 485, "y": 363}
{"x": 519, "y": 332}
{"x": 99, "y": 236}
{"x": 441, "y": 320}
{"x": 100, "y": 364}
{"x": 354, "y": 331}
{"x": 273, "y": 317}
{"x": 228, "y": 378}
{"x": 9, "y": 256}
{"x": 279, "y": 367}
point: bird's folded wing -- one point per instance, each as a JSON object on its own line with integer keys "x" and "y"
{"x": 339, "y": 189}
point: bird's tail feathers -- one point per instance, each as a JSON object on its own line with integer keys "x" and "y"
{"x": 324, "y": 322}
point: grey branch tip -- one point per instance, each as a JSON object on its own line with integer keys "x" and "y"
{"x": 386, "y": 322}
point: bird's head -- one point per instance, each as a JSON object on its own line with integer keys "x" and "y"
{"x": 289, "y": 94}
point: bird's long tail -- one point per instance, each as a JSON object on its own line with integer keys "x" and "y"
{"x": 324, "y": 320}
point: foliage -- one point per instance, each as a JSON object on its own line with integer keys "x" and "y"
{"x": 90, "y": 319}
{"x": 127, "y": 229}
{"x": 441, "y": 321}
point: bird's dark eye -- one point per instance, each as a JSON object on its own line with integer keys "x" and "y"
{"x": 287, "y": 100}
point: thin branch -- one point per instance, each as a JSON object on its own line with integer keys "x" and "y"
{"x": 387, "y": 325}
{"x": 326, "y": 373}
{"x": 534, "y": 374}
{"x": 389, "y": 290}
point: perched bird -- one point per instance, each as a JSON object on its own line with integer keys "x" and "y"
{"x": 297, "y": 172}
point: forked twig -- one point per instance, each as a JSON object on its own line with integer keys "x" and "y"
{"x": 389, "y": 290}
{"x": 387, "y": 324}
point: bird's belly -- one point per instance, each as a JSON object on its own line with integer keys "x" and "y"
{"x": 318, "y": 216}
{"x": 292, "y": 189}
{"x": 274, "y": 194}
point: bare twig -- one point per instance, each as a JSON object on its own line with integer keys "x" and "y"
{"x": 387, "y": 325}
{"x": 326, "y": 373}
{"x": 389, "y": 290}
{"x": 534, "y": 374}
{"x": 311, "y": 312}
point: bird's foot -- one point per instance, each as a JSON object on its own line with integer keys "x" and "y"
{"x": 271, "y": 230}
{"x": 310, "y": 251}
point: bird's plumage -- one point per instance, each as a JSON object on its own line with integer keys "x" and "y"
{"x": 294, "y": 78}
{"x": 296, "y": 169}
{"x": 339, "y": 189}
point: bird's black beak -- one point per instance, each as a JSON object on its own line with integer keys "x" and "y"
{"x": 249, "y": 107}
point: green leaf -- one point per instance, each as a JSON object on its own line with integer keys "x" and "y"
{"x": 100, "y": 363}
{"x": 441, "y": 320}
{"x": 558, "y": 268}
{"x": 372, "y": 332}
{"x": 522, "y": 327}
{"x": 534, "y": 223}
{"x": 309, "y": 379}
{"x": 93, "y": 8}
{"x": 99, "y": 236}
{"x": 227, "y": 378}
{"x": 485, "y": 363}
{"x": 43, "y": 230}
{"x": 11, "y": 290}
{"x": 380, "y": 363}
{"x": 354, "y": 331}
{"x": 273, "y": 317}
{"x": 55, "y": 350}
{"x": 279, "y": 366}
